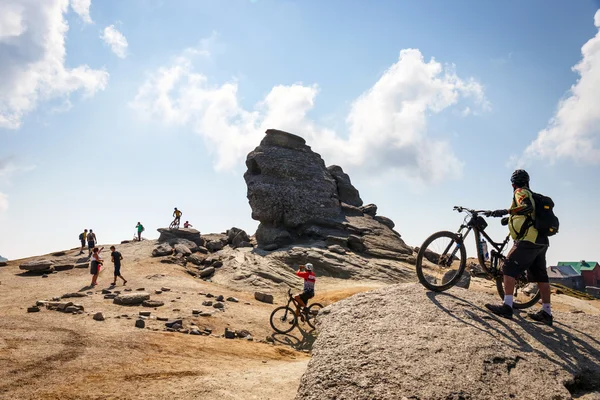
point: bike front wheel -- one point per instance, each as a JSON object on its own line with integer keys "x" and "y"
{"x": 283, "y": 319}
{"x": 526, "y": 294}
{"x": 312, "y": 314}
{"x": 441, "y": 261}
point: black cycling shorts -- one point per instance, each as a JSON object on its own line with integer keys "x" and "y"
{"x": 305, "y": 296}
{"x": 527, "y": 256}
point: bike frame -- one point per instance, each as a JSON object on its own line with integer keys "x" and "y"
{"x": 471, "y": 225}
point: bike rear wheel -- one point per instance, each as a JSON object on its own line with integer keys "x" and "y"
{"x": 441, "y": 261}
{"x": 313, "y": 314}
{"x": 526, "y": 294}
{"x": 283, "y": 319}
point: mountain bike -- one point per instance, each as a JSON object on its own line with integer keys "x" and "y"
{"x": 175, "y": 224}
{"x": 283, "y": 319}
{"x": 442, "y": 259}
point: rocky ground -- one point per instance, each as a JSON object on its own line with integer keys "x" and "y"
{"x": 402, "y": 342}
{"x": 52, "y": 354}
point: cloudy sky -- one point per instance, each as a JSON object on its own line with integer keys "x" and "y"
{"x": 114, "y": 112}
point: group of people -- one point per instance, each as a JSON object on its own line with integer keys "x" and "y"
{"x": 89, "y": 238}
{"x": 177, "y": 215}
{"x": 97, "y": 262}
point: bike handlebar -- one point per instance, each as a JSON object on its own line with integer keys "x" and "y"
{"x": 471, "y": 211}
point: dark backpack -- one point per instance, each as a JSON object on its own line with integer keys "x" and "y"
{"x": 81, "y": 236}
{"x": 544, "y": 221}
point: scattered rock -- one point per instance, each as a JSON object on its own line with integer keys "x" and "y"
{"x": 162, "y": 250}
{"x": 195, "y": 331}
{"x": 110, "y": 296}
{"x": 182, "y": 249}
{"x": 207, "y": 272}
{"x": 37, "y": 266}
{"x": 206, "y": 313}
{"x": 207, "y": 303}
{"x": 59, "y": 254}
{"x": 157, "y": 291}
{"x": 140, "y": 323}
{"x": 140, "y": 289}
{"x": 165, "y": 289}
{"x": 243, "y": 333}
{"x": 76, "y": 294}
{"x": 162, "y": 318}
{"x": 197, "y": 259}
{"x": 220, "y": 298}
{"x": 70, "y": 309}
{"x": 217, "y": 264}
{"x": 44, "y": 276}
{"x": 214, "y": 245}
{"x": 63, "y": 266}
{"x": 129, "y": 299}
{"x": 238, "y": 238}
{"x": 145, "y": 313}
{"x": 82, "y": 265}
{"x": 33, "y": 309}
{"x": 219, "y": 305}
{"x": 173, "y": 323}
{"x": 106, "y": 291}
{"x": 464, "y": 281}
{"x": 209, "y": 295}
{"x": 229, "y": 334}
{"x": 99, "y": 316}
{"x": 202, "y": 249}
{"x": 271, "y": 247}
{"x": 264, "y": 297}
{"x": 232, "y": 299}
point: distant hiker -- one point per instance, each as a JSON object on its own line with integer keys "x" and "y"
{"x": 82, "y": 239}
{"x": 95, "y": 265}
{"x": 91, "y": 239}
{"x": 116, "y": 258}
{"x": 188, "y": 225}
{"x": 177, "y": 214}
{"x": 306, "y": 272}
{"x": 140, "y": 229}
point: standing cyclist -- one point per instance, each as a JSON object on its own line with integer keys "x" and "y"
{"x": 305, "y": 272}
{"x": 177, "y": 214}
{"x": 528, "y": 252}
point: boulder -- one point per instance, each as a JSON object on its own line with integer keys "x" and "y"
{"x": 192, "y": 246}
{"x": 271, "y": 247}
{"x": 346, "y": 192}
{"x": 385, "y": 220}
{"x": 173, "y": 323}
{"x": 349, "y": 210}
{"x": 336, "y": 248}
{"x": 152, "y": 303}
{"x": 271, "y": 237}
{"x": 38, "y": 266}
{"x": 264, "y": 297}
{"x": 206, "y": 272}
{"x": 140, "y": 323}
{"x": 162, "y": 250}
{"x": 237, "y": 238}
{"x": 182, "y": 249}
{"x": 168, "y": 235}
{"x": 197, "y": 259}
{"x": 214, "y": 245}
{"x": 426, "y": 345}
{"x": 131, "y": 299}
{"x": 288, "y": 184}
{"x": 202, "y": 249}
{"x": 369, "y": 209}
{"x": 98, "y": 316}
{"x": 33, "y": 309}
{"x": 356, "y": 243}
{"x": 63, "y": 266}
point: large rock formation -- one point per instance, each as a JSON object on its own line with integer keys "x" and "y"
{"x": 298, "y": 200}
{"x": 402, "y": 342}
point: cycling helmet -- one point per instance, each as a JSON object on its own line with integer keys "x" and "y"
{"x": 175, "y": 208}
{"x": 309, "y": 267}
{"x": 520, "y": 177}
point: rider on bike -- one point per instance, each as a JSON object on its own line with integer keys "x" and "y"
{"x": 177, "y": 215}
{"x": 305, "y": 272}
{"x": 528, "y": 252}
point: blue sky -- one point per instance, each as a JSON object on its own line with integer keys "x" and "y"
{"x": 143, "y": 105}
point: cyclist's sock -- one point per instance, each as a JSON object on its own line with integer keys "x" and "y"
{"x": 508, "y": 300}
{"x": 546, "y": 307}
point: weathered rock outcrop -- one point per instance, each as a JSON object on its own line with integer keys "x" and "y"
{"x": 38, "y": 266}
{"x": 447, "y": 346}
{"x": 173, "y": 236}
{"x": 298, "y": 200}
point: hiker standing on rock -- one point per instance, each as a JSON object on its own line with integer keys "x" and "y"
{"x": 187, "y": 225}
{"x": 82, "y": 239}
{"x": 95, "y": 265}
{"x": 528, "y": 252}
{"x": 91, "y": 239}
{"x": 140, "y": 229}
{"x": 116, "y": 258}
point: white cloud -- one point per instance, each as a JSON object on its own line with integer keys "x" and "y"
{"x": 82, "y": 8}
{"x": 386, "y": 126}
{"x": 116, "y": 40}
{"x": 574, "y": 130}
{"x": 32, "y": 50}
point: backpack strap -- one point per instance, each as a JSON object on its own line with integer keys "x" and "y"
{"x": 526, "y": 225}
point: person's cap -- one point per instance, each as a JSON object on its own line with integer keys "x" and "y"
{"x": 309, "y": 266}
